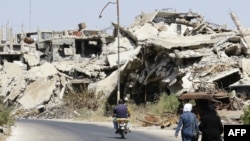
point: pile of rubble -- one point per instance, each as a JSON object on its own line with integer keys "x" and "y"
{"x": 164, "y": 120}
{"x": 161, "y": 52}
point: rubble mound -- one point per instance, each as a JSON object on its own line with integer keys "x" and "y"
{"x": 160, "y": 52}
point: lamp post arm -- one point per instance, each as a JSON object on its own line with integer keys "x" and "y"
{"x": 100, "y": 15}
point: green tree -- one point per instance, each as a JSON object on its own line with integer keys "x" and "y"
{"x": 246, "y": 115}
{"x": 5, "y": 114}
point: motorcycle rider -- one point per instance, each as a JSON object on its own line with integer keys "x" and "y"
{"x": 120, "y": 111}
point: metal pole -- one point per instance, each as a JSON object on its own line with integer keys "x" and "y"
{"x": 118, "y": 44}
{"x": 118, "y": 49}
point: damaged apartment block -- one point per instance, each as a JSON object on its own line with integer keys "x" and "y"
{"x": 56, "y": 46}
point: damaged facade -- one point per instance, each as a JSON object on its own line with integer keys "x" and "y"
{"x": 161, "y": 52}
{"x": 37, "y": 67}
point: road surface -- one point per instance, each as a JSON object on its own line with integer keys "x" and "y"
{"x": 49, "y": 130}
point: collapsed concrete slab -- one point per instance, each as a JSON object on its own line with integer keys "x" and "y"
{"x": 31, "y": 60}
{"x": 16, "y": 90}
{"x": 9, "y": 76}
{"x": 45, "y": 70}
{"x": 123, "y": 56}
{"x": 35, "y": 94}
{"x": 108, "y": 85}
{"x": 241, "y": 88}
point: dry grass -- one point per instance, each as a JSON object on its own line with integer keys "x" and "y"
{"x": 104, "y": 110}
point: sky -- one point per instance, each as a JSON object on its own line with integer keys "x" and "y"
{"x": 61, "y": 15}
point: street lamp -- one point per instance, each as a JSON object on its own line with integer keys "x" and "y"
{"x": 118, "y": 43}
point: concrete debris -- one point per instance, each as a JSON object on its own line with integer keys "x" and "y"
{"x": 35, "y": 94}
{"x": 164, "y": 120}
{"x": 161, "y": 52}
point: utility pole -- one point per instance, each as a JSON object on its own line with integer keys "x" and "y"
{"x": 118, "y": 44}
{"x": 118, "y": 50}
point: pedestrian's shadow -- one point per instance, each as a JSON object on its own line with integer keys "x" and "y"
{"x": 116, "y": 138}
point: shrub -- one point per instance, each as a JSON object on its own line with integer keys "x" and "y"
{"x": 246, "y": 115}
{"x": 5, "y": 114}
{"x": 167, "y": 103}
{"x": 81, "y": 100}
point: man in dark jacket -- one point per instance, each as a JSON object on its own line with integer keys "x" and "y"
{"x": 120, "y": 111}
{"x": 211, "y": 125}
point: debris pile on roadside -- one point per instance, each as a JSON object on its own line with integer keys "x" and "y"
{"x": 164, "y": 120}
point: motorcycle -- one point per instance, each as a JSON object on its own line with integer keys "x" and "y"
{"x": 122, "y": 126}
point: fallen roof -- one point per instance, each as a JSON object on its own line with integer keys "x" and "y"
{"x": 184, "y": 42}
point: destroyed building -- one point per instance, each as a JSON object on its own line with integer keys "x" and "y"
{"x": 179, "y": 53}
{"x": 54, "y": 58}
{"x": 161, "y": 52}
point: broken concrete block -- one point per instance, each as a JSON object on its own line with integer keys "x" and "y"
{"x": 35, "y": 94}
{"x": 82, "y": 26}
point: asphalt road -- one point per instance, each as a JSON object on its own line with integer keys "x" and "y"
{"x": 46, "y": 130}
